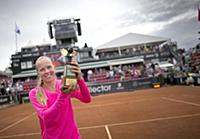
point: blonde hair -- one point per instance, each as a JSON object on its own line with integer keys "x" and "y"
{"x": 40, "y": 59}
{"x": 39, "y": 80}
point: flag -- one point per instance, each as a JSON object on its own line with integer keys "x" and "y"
{"x": 17, "y": 30}
{"x": 198, "y": 12}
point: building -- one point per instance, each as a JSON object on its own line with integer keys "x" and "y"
{"x": 121, "y": 55}
{"x": 149, "y": 48}
{"x": 130, "y": 48}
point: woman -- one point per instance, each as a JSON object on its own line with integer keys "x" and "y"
{"x": 51, "y": 101}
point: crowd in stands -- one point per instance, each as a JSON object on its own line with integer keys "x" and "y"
{"x": 131, "y": 72}
{"x": 7, "y": 87}
{"x": 98, "y": 75}
{"x": 139, "y": 50}
{"x": 113, "y": 74}
{"x": 124, "y": 72}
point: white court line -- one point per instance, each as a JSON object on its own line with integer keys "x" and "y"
{"x": 15, "y": 123}
{"x": 108, "y": 132}
{"x": 117, "y": 124}
{"x": 191, "y": 96}
{"x": 181, "y": 101}
{"x": 145, "y": 121}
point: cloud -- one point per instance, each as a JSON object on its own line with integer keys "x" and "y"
{"x": 156, "y": 11}
{"x": 168, "y": 18}
{"x": 185, "y": 32}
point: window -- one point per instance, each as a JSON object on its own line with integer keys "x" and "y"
{"x": 15, "y": 65}
{"x": 26, "y": 65}
{"x": 84, "y": 54}
{"x": 23, "y": 65}
{"x": 29, "y": 64}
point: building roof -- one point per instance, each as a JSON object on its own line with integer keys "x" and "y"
{"x": 131, "y": 39}
{"x": 4, "y": 74}
{"x": 33, "y": 46}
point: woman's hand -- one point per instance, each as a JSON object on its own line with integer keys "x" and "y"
{"x": 67, "y": 89}
{"x": 76, "y": 69}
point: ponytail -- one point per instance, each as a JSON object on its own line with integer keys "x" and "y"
{"x": 40, "y": 82}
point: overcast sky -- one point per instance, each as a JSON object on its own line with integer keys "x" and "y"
{"x": 101, "y": 21}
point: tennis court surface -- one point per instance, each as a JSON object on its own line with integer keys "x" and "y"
{"x": 165, "y": 113}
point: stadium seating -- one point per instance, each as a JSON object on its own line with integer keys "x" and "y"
{"x": 28, "y": 85}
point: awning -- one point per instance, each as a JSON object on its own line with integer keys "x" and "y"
{"x": 166, "y": 65}
{"x": 130, "y": 40}
{"x": 125, "y": 61}
{"x": 29, "y": 73}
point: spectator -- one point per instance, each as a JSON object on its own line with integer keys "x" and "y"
{"x": 111, "y": 73}
{"x": 14, "y": 93}
{"x": 3, "y": 89}
{"x": 89, "y": 73}
{"x": 190, "y": 80}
